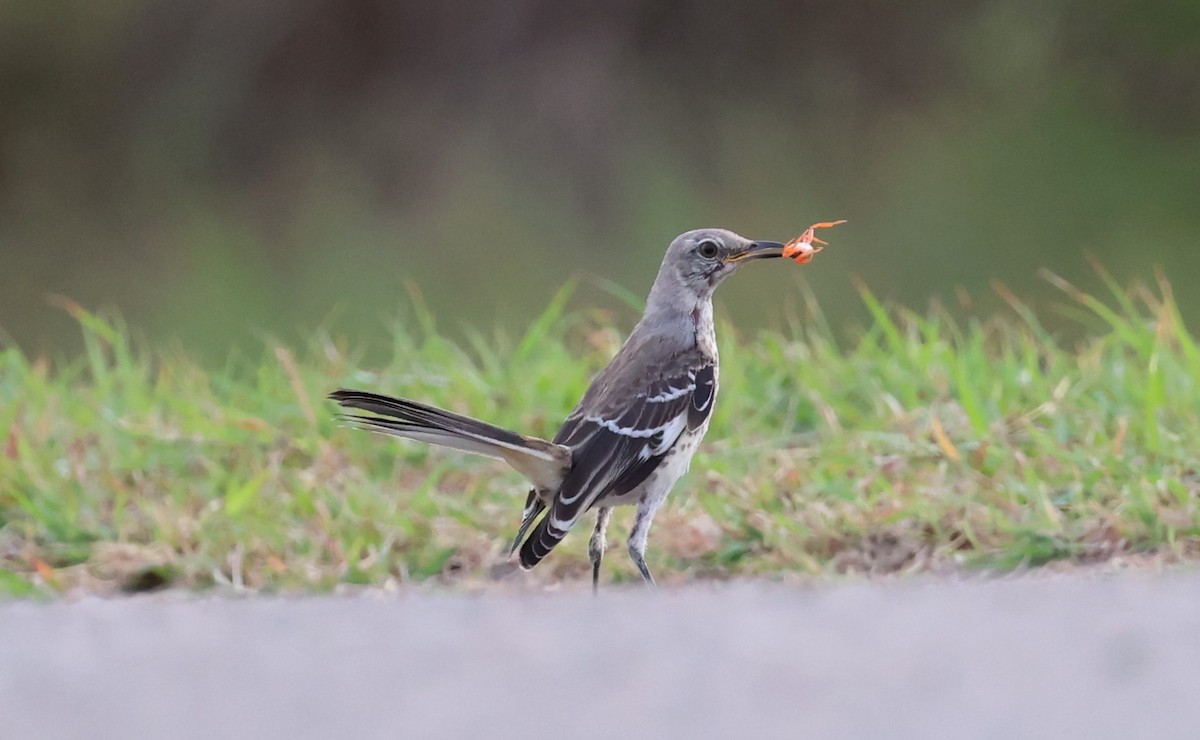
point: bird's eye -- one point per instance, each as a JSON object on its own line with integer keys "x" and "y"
{"x": 707, "y": 249}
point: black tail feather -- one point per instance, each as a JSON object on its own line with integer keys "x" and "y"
{"x": 423, "y": 415}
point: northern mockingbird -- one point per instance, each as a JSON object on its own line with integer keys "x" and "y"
{"x": 634, "y": 432}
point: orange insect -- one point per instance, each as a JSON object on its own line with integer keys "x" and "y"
{"x": 802, "y": 249}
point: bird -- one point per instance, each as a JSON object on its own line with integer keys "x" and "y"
{"x": 634, "y": 432}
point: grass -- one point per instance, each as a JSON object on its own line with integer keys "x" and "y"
{"x": 928, "y": 441}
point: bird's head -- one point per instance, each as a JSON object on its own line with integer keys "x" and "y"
{"x": 698, "y": 261}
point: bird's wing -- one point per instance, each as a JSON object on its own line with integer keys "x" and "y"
{"x": 616, "y": 447}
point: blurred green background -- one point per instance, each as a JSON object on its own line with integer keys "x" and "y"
{"x": 214, "y": 170}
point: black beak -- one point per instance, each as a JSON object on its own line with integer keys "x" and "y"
{"x": 757, "y": 251}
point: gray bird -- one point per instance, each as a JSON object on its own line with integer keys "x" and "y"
{"x": 634, "y": 432}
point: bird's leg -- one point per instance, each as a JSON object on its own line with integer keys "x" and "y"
{"x": 533, "y": 507}
{"x": 638, "y": 536}
{"x": 598, "y": 544}
{"x": 639, "y": 560}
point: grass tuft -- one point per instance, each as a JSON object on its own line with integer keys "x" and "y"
{"x": 927, "y": 441}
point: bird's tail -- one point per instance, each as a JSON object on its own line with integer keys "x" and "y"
{"x": 544, "y": 463}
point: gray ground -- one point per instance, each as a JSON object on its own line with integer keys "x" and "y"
{"x": 1060, "y": 658}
